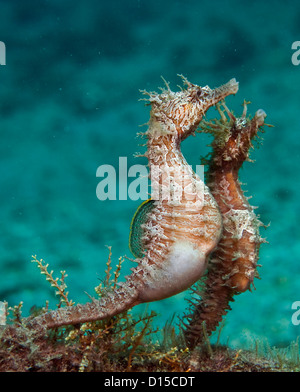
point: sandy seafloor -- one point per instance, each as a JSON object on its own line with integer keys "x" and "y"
{"x": 69, "y": 102}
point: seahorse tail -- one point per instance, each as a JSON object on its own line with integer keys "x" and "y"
{"x": 206, "y": 314}
{"x": 114, "y": 302}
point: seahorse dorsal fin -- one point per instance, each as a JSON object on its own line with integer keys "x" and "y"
{"x": 136, "y": 243}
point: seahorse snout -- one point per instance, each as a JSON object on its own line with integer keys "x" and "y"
{"x": 223, "y": 91}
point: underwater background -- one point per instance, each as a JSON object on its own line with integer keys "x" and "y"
{"x": 69, "y": 103}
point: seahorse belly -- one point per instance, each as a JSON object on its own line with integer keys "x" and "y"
{"x": 184, "y": 265}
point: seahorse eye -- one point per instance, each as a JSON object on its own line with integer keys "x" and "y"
{"x": 199, "y": 93}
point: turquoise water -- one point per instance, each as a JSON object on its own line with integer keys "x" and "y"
{"x": 69, "y": 102}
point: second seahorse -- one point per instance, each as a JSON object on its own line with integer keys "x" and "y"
{"x": 232, "y": 265}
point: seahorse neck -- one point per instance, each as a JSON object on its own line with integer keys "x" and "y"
{"x": 225, "y": 184}
{"x": 164, "y": 150}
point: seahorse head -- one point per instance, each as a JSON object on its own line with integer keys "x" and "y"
{"x": 179, "y": 113}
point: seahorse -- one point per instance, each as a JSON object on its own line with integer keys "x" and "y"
{"x": 232, "y": 265}
{"x": 184, "y": 224}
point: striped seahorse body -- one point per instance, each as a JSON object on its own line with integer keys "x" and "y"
{"x": 232, "y": 265}
{"x": 183, "y": 226}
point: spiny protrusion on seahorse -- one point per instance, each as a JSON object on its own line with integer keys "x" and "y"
{"x": 232, "y": 265}
{"x": 183, "y": 226}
